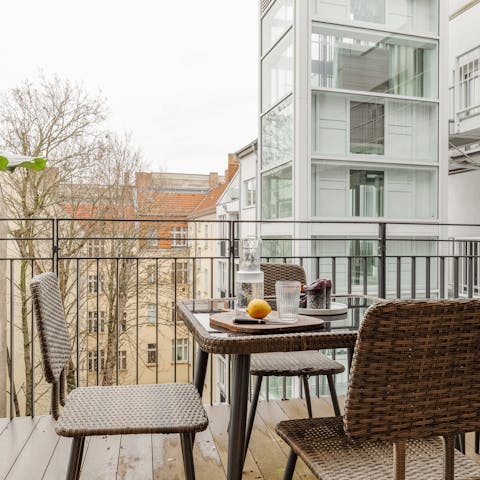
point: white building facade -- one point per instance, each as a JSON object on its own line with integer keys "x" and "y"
{"x": 353, "y": 108}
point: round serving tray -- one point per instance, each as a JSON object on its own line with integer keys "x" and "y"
{"x": 336, "y": 308}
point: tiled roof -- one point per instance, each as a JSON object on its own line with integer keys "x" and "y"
{"x": 168, "y": 204}
{"x": 209, "y": 202}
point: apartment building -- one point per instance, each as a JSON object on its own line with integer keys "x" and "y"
{"x": 352, "y": 94}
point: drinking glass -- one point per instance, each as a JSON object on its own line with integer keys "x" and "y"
{"x": 288, "y": 299}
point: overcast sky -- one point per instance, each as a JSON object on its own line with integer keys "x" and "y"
{"x": 180, "y": 75}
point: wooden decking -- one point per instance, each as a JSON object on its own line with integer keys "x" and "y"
{"x": 30, "y": 449}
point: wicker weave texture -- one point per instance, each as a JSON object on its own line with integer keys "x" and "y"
{"x": 415, "y": 370}
{"x": 294, "y": 363}
{"x": 331, "y": 455}
{"x": 280, "y": 271}
{"x": 165, "y": 408}
{"x": 51, "y": 326}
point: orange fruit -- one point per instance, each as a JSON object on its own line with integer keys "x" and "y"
{"x": 258, "y": 308}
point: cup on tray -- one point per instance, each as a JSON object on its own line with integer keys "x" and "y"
{"x": 288, "y": 299}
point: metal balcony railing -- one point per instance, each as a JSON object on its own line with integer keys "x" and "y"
{"x": 121, "y": 284}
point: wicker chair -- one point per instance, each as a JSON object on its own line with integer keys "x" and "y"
{"x": 414, "y": 378}
{"x": 112, "y": 410}
{"x": 302, "y": 364}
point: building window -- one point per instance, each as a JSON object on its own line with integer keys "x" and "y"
{"x": 152, "y": 238}
{"x": 151, "y": 313}
{"x": 152, "y": 354}
{"x": 364, "y": 262}
{"x": 96, "y": 247}
{"x": 367, "y": 128}
{"x": 123, "y": 323}
{"x": 468, "y": 77}
{"x": 122, "y": 359}
{"x": 151, "y": 274}
{"x": 277, "y": 193}
{"x": 94, "y": 284}
{"x": 182, "y": 273}
{"x": 93, "y": 321}
{"x": 366, "y": 193}
{"x": 179, "y": 236}
{"x": 92, "y": 360}
{"x": 275, "y": 22}
{"x": 250, "y": 192}
{"x": 180, "y": 354}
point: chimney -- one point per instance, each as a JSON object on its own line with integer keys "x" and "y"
{"x": 233, "y": 164}
{"x": 213, "y": 179}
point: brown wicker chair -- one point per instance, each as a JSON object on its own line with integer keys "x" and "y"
{"x": 414, "y": 378}
{"x": 302, "y": 364}
{"x": 109, "y": 410}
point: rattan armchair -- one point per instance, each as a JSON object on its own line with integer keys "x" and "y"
{"x": 108, "y": 410}
{"x": 414, "y": 378}
{"x": 301, "y": 364}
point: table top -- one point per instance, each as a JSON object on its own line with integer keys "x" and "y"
{"x": 336, "y": 332}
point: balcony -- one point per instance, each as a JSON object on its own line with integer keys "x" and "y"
{"x": 120, "y": 303}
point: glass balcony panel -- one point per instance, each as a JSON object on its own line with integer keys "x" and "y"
{"x": 412, "y": 16}
{"x": 277, "y": 72}
{"x": 276, "y": 22}
{"x": 354, "y": 125}
{"x": 341, "y": 189}
{"x": 354, "y": 59}
{"x": 277, "y": 193}
{"x": 277, "y": 135}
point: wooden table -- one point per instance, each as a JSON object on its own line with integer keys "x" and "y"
{"x": 337, "y": 332}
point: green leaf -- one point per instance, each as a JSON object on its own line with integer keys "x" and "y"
{"x": 36, "y": 164}
{"x": 3, "y": 163}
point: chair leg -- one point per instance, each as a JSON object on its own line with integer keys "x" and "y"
{"x": 290, "y": 468}
{"x": 448, "y": 466}
{"x": 460, "y": 442}
{"x": 399, "y": 449}
{"x": 187, "y": 453}
{"x": 75, "y": 461}
{"x": 308, "y": 400}
{"x": 333, "y": 395}
{"x": 477, "y": 442}
{"x": 251, "y": 414}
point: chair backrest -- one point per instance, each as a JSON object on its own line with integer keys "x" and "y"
{"x": 52, "y": 332}
{"x": 415, "y": 371}
{"x": 280, "y": 271}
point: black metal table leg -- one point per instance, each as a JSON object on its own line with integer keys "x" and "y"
{"x": 200, "y": 370}
{"x": 238, "y": 416}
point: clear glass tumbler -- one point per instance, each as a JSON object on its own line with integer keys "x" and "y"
{"x": 288, "y": 300}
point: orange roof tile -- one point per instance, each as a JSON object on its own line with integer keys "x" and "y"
{"x": 209, "y": 202}
{"x": 168, "y": 204}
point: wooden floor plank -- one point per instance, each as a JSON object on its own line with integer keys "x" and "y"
{"x": 101, "y": 457}
{"x": 135, "y": 458}
{"x": 3, "y": 424}
{"x": 57, "y": 465}
{"x": 168, "y": 462}
{"x": 29, "y": 447}
{"x": 13, "y": 440}
{"x": 40, "y": 444}
{"x": 271, "y": 414}
{"x": 219, "y": 416}
{"x": 271, "y": 461}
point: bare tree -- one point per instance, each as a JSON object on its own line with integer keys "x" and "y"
{"x": 55, "y": 119}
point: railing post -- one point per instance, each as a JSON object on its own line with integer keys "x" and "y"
{"x": 231, "y": 257}
{"x": 382, "y": 263}
{"x": 55, "y": 246}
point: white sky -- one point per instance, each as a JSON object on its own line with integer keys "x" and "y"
{"x": 180, "y": 75}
